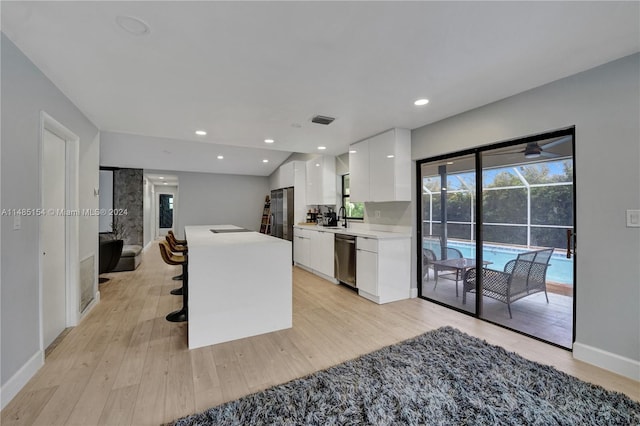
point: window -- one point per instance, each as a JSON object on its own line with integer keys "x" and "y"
{"x": 354, "y": 210}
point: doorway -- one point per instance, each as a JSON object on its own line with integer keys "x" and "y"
{"x": 165, "y": 209}
{"x": 496, "y": 235}
{"x": 59, "y": 263}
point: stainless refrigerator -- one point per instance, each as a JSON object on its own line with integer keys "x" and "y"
{"x": 282, "y": 213}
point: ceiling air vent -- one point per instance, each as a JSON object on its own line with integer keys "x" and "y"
{"x": 321, "y": 119}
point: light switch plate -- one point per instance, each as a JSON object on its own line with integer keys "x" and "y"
{"x": 633, "y": 218}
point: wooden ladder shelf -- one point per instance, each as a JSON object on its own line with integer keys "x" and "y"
{"x": 265, "y": 224}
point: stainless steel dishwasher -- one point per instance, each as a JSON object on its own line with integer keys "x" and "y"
{"x": 345, "y": 259}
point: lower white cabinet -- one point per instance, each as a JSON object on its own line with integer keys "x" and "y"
{"x": 383, "y": 265}
{"x": 383, "y": 269}
{"x": 314, "y": 249}
{"x": 321, "y": 249}
{"x": 301, "y": 241}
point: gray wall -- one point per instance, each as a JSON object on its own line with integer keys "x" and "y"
{"x": 209, "y": 199}
{"x": 26, "y": 92}
{"x": 603, "y": 104}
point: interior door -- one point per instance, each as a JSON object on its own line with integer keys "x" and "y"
{"x": 52, "y": 237}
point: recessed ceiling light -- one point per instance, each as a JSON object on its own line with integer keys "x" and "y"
{"x": 449, "y": 162}
{"x": 133, "y": 25}
{"x": 220, "y": 157}
{"x": 201, "y": 133}
{"x": 390, "y": 156}
{"x": 317, "y": 164}
{"x": 352, "y": 151}
{"x": 269, "y": 141}
{"x": 161, "y": 177}
{"x": 265, "y": 161}
{"x": 421, "y": 102}
{"x": 166, "y": 183}
{"x": 322, "y": 148}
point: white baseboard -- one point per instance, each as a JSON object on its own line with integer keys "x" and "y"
{"x": 609, "y": 361}
{"x": 10, "y": 389}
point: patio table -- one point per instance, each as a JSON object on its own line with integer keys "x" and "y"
{"x": 460, "y": 265}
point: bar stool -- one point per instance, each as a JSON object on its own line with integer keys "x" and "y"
{"x": 175, "y": 240}
{"x": 174, "y": 259}
{"x": 176, "y": 246}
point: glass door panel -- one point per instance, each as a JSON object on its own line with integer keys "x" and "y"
{"x": 448, "y": 230}
{"x": 527, "y": 209}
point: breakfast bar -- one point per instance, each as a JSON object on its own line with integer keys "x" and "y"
{"x": 240, "y": 284}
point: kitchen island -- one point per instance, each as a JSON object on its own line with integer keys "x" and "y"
{"x": 240, "y": 284}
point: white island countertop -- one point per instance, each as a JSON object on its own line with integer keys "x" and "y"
{"x": 240, "y": 284}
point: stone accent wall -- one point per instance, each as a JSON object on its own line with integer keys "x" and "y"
{"x": 128, "y": 194}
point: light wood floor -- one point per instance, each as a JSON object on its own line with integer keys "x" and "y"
{"x": 124, "y": 364}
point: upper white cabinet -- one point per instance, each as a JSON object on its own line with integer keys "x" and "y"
{"x": 380, "y": 167}
{"x": 285, "y": 177}
{"x": 359, "y": 172}
{"x": 321, "y": 181}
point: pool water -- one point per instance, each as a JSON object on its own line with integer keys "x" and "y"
{"x": 560, "y": 268}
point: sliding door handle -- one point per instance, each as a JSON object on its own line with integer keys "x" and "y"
{"x": 571, "y": 243}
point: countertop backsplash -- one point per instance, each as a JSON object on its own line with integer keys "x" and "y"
{"x": 396, "y": 213}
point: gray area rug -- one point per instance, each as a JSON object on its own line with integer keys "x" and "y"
{"x": 443, "y": 377}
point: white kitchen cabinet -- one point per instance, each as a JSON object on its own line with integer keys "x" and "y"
{"x": 285, "y": 177}
{"x": 359, "y": 181}
{"x": 321, "y": 181}
{"x": 299, "y": 191}
{"x": 383, "y": 269}
{"x": 301, "y": 244}
{"x": 387, "y": 174}
{"x": 366, "y": 270}
{"x": 321, "y": 252}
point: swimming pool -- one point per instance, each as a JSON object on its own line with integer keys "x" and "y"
{"x": 560, "y": 268}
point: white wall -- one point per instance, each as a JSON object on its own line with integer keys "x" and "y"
{"x": 25, "y": 93}
{"x": 209, "y": 199}
{"x": 147, "y": 211}
{"x": 603, "y": 104}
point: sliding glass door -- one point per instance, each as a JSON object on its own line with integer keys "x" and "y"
{"x": 496, "y": 235}
{"x": 448, "y": 229}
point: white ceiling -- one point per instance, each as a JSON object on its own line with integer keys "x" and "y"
{"x": 246, "y": 71}
{"x": 162, "y": 179}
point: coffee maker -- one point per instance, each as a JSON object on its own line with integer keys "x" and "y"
{"x": 330, "y": 219}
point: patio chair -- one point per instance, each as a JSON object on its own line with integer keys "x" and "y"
{"x": 429, "y": 256}
{"x": 522, "y": 277}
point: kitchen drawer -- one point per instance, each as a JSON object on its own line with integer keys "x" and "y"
{"x": 368, "y": 244}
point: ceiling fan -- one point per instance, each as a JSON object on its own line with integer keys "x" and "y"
{"x": 535, "y": 150}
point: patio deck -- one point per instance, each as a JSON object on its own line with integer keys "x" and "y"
{"x": 552, "y": 322}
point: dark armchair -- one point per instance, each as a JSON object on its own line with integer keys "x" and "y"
{"x": 109, "y": 255}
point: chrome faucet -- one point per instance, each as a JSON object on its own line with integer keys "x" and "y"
{"x": 342, "y": 213}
